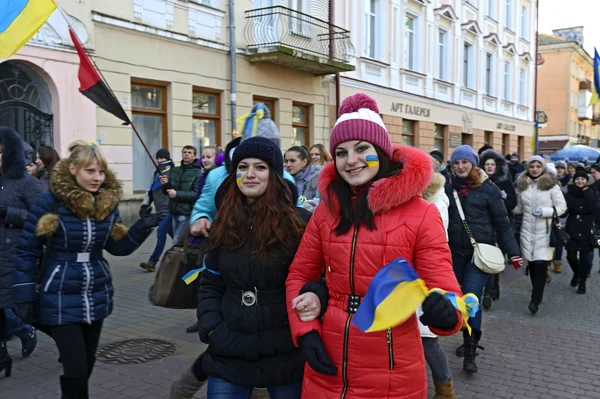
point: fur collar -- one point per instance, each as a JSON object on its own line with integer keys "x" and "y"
{"x": 82, "y": 203}
{"x": 437, "y": 184}
{"x": 502, "y": 173}
{"x": 393, "y": 191}
{"x": 545, "y": 182}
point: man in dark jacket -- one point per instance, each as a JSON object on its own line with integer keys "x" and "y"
{"x": 516, "y": 166}
{"x": 155, "y": 194}
{"x": 438, "y": 163}
{"x": 182, "y": 188}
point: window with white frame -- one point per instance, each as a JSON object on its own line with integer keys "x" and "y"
{"x": 410, "y": 25}
{"x": 371, "y": 17}
{"x": 522, "y": 87}
{"x": 507, "y": 80}
{"x": 509, "y": 14}
{"x": 489, "y": 79}
{"x": 491, "y": 8}
{"x": 524, "y": 22}
{"x": 468, "y": 66}
{"x": 442, "y": 51}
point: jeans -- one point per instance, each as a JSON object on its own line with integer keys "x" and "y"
{"x": 165, "y": 227}
{"x": 537, "y": 274}
{"x": 558, "y": 253}
{"x": 77, "y": 344}
{"x": 471, "y": 280}
{"x": 221, "y": 389}
{"x": 15, "y": 326}
{"x": 179, "y": 224}
{"x": 436, "y": 359}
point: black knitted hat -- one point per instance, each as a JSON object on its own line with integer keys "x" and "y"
{"x": 581, "y": 173}
{"x": 260, "y": 148}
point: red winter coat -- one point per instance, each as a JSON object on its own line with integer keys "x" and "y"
{"x": 386, "y": 364}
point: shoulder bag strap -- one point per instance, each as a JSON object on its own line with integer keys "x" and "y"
{"x": 462, "y": 217}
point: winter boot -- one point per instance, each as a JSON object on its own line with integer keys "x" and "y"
{"x": 548, "y": 277}
{"x": 186, "y": 386}
{"x": 471, "y": 345}
{"x": 487, "y": 302}
{"x": 533, "y": 307}
{"x": 74, "y": 387}
{"x": 444, "y": 390}
{"x": 460, "y": 350}
{"x": 5, "y": 359}
{"x": 581, "y": 289}
{"x": 149, "y": 266}
{"x": 574, "y": 281}
{"x": 557, "y": 266}
{"x": 28, "y": 342}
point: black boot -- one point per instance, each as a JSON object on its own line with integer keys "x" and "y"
{"x": 73, "y": 387}
{"x": 533, "y": 307}
{"x": 471, "y": 345}
{"x": 574, "y": 281}
{"x": 5, "y": 359}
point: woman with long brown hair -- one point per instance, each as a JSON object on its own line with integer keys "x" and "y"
{"x": 47, "y": 157}
{"x": 242, "y": 311}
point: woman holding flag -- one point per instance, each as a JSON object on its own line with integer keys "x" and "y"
{"x": 372, "y": 215}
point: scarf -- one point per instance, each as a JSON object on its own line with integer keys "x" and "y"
{"x": 462, "y": 185}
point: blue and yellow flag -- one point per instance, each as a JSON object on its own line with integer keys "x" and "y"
{"x": 596, "y": 86}
{"x": 394, "y": 295}
{"x": 249, "y": 121}
{"x": 19, "y": 21}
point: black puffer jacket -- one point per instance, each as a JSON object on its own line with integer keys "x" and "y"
{"x": 249, "y": 345}
{"x": 184, "y": 179}
{"x": 486, "y": 216}
{"x": 501, "y": 178}
{"x": 582, "y": 208}
{"x": 18, "y": 193}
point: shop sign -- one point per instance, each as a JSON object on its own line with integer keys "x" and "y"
{"x": 455, "y": 140}
{"x": 504, "y": 126}
{"x": 411, "y": 110}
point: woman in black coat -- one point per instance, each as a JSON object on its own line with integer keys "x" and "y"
{"x": 495, "y": 166}
{"x": 582, "y": 208}
{"x": 242, "y": 311}
{"x": 18, "y": 192}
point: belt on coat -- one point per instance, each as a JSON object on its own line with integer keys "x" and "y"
{"x": 255, "y": 297}
{"x": 350, "y": 301}
{"x": 75, "y": 257}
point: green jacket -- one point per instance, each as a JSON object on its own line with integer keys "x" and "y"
{"x": 184, "y": 179}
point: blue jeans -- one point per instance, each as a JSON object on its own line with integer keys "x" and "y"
{"x": 221, "y": 389}
{"x": 179, "y": 224}
{"x": 558, "y": 253}
{"x": 15, "y": 326}
{"x": 471, "y": 280}
{"x": 165, "y": 227}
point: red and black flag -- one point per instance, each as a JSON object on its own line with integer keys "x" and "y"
{"x": 93, "y": 86}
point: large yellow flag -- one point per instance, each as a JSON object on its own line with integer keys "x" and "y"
{"x": 20, "y": 20}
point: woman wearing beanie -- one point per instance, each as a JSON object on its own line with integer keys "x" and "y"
{"x": 75, "y": 222}
{"x": 242, "y": 311}
{"x": 539, "y": 196}
{"x": 487, "y": 219}
{"x": 494, "y": 165}
{"x": 372, "y": 213}
{"x": 582, "y": 207}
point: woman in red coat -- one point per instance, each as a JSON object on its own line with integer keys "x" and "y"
{"x": 371, "y": 214}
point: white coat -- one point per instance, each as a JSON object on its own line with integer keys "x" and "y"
{"x": 545, "y": 193}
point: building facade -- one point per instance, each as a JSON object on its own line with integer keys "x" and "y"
{"x": 564, "y": 92}
{"x": 446, "y": 72}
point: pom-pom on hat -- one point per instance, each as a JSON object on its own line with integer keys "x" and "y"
{"x": 359, "y": 120}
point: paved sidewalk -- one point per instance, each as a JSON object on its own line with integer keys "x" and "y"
{"x": 555, "y": 354}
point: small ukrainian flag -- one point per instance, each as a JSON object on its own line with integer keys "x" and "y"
{"x": 238, "y": 178}
{"x": 372, "y": 161}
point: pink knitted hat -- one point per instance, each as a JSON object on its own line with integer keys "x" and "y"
{"x": 359, "y": 120}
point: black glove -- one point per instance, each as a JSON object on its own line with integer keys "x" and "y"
{"x": 2, "y": 212}
{"x": 317, "y": 358}
{"x": 438, "y": 312}
{"x": 25, "y": 311}
{"x": 149, "y": 221}
{"x": 144, "y": 210}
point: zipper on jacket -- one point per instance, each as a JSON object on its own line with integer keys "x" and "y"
{"x": 56, "y": 270}
{"x": 89, "y": 235}
{"x": 390, "y": 343}
{"x": 86, "y": 300}
{"x": 350, "y": 315}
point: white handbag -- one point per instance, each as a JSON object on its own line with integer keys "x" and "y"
{"x": 488, "y": 258}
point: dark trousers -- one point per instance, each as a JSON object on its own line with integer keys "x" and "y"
{"x": 471, "y": 280}
{"x": 537, "y": 274}
{"x": 198, "y": 370}
{"x": 580, "y": 263}
{"x": 2, "y": 325}
{"x": 492, "y": 287}
{"x": 77, "y": 344}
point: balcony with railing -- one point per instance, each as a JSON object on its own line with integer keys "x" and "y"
{"x": 296, "y": 40}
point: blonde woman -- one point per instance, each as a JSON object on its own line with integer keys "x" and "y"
{"x": 75, "y": 221}
{"x": 319, "y": 155}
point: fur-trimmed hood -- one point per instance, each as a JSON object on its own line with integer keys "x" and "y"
{"x": 502, "y": 173}
{"x": 437, "y": 184}
{"x": 13, "y": 155}
{"x": 81, "y": 202}
{"x": 545, "y": 182}
{"x": 390, "y": 192}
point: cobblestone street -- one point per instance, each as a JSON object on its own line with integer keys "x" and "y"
{"x": 555, "y": 354}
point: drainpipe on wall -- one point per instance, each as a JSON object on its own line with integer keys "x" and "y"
{"x": 331, "y": 38}
{"x": 232, "y": 65}
{"x": 535, "y": 110}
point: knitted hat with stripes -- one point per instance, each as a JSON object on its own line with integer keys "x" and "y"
{"x": 359, "y": 120}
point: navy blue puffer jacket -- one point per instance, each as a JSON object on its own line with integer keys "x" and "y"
{"x": 76, "y": 283}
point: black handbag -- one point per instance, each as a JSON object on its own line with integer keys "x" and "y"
{"x": 558, "y": 235}
{"x": 595, "y": 236}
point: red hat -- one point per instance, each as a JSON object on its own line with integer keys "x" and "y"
{"x": 359, "y": 120}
